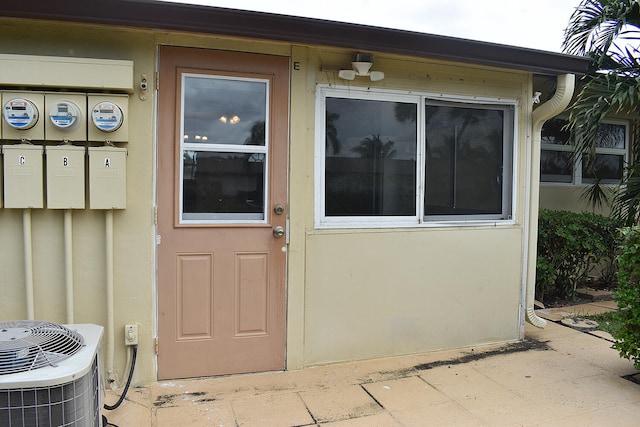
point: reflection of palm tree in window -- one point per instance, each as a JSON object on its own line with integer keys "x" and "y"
{"x": 257, "y": 136}
{"x": 377, "y": 151}
{"x": 464, "y": 157}
{"x": 554, "y": 131}
{"x": 610, "y": 136}
{"x": 372, "y": 147}
{"x": 332, "y": 132}
{"x": 405, "y": 112}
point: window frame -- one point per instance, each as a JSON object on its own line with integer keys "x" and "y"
{"x": 576, "y": 176}
{"x": 418, "y": 219}
{"x": 210, "y": 218}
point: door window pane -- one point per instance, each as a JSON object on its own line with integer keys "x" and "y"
{"x": 224, "y": 111}
{"x": 223, "y": 186}
{"x": 370, "y": 158}
{"x": 464, "y": 161}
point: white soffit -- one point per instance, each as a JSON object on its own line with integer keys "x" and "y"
{"x": 66, "y": 72}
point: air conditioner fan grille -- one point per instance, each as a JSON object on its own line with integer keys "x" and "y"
{"x": 27, "y": 345}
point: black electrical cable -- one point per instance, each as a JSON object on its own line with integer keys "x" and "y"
{"x": 106, "y": 423}
{"x": 126, "y": 387}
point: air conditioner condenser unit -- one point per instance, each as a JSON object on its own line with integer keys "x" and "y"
{"x": 50, "y": 374}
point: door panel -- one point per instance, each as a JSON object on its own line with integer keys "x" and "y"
{"x": 222, "y": 162}
{"x": 252, "y": 294}
{"x": 194, "y": 296}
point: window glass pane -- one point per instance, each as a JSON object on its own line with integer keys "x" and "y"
{"x": 556, "y": 166}
{"x": 224, "y": 111}
{"x": 553, "y": 132}
{"x": 463, "y": 169}
{"x": 610, "y": 136}
{"x": 370, "y": 158}
{"x": 223, "y": 186}
{"x": 607, "y": 168}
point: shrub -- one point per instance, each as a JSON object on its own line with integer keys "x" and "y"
{"x": 570, "y": 247}
{"x": 628, "y": 297}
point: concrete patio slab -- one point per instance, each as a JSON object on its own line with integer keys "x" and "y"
{"x": 596, "y": 418}
{"x": 200, "y": 415}
{"x": 557, "y": 376}
{"x": 338, "y": 404}
{"x": 439, "y": 414}
{"x": 275, "y": 410}
{"x": 557, "y": 314}
{"x": 405, "y": 393}
{"x": 612, "y": 305}
{"x": 461, "y": 381}
{"x": 382, "y": 419}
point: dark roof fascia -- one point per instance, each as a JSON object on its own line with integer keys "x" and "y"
{"x": 165, "y": 16}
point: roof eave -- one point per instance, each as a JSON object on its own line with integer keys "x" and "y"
{"x": 150, "y": 14}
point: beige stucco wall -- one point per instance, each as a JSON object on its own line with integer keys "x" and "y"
{"x": 134, "y": 260}
{"x": 351, "y": 294}
{"x": 373, "y": 293}
{"x": 568, "y": 198}
{"x": 407, "y": 292}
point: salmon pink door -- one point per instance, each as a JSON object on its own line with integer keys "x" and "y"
{"x": 222, "y": 179}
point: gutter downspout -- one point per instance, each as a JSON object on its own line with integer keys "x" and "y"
{"x": 551, "y": 108}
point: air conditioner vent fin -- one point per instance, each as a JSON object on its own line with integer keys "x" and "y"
{"x": 28, "y": 344}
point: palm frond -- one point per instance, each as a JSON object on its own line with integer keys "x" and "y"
{"x": 596, "y": 195}
{"x": 607, "y": 32}
{"x": 596, "y": 24}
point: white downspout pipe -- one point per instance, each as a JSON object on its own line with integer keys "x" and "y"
{"x": 68, "y": 264}
{"x": 28, "y": 263}
{"x": 551, "y": 108}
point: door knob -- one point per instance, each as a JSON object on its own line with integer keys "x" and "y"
{"x": 278, "y": 209}
{"x": 278, "y": 231}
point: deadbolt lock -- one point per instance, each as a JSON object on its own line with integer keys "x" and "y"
{"x": 278, "y": 209}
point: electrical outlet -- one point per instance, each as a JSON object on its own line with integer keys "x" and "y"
{"x": 131, "y": 334}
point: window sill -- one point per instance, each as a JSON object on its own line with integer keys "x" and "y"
{"x": 377, "y": 226}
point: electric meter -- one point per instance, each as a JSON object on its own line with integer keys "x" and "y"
{"x": 107, "y": 116}
{"x": 65, "y": 115}
{"x": 20, "y": 113}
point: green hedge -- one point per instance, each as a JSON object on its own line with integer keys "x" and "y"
{"x": 627, "y": 296}
{"x": 571, "y": 246}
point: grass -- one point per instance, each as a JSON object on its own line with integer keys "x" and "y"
{"x": 607, "y": 322}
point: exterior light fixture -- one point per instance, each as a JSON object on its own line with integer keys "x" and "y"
{"x": 361, "y": 67}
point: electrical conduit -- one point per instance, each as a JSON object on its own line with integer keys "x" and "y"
{"x": 28, "y": 263}
{"x": 110, "y": 303}
{"x": 68, "y": 263}
{"x": 551, "y": 108}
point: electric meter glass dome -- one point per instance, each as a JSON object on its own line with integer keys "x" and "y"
{"x": 107, "y": 116}
{"x": 20, "y": 113}
{"x": 65, "y": 115}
